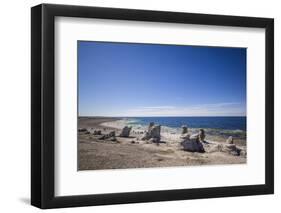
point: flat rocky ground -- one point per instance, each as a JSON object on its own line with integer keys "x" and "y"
{"x": 132, "y": 153}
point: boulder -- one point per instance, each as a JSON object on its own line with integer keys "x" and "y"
{"x": 82, "y": 130}
{"x": 184, "y": 130}
{"x": 151, "y": 124}
{"x": 243, "y": 153}
{"x": 153, "y": 132}
{"x": 111, "y": 134}
{"x": 231, "y": 149}
{"x": 229, "y": 140}
{"x": 125, "y": 132}
{"x": 201, "y": 135}
{"x": 146, "y": 136}
{"x": 113, "y": 138}
{"x": 97, "y": 132}
{"x": 192, "y": 145}
{"x": 195, "y": 136}
{"x": 185, "y": 136}
{"x": 102, "y": 137}
{"x": 213, "y": 148}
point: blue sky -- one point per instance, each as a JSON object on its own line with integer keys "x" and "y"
{"x": 126, "y": 79}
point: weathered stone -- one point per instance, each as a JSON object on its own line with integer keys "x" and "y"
{"x": 231, "y": 149}
{"x": 151, "y": 124}
{"x": 184, "y": 130}
{"x": 213, "y": 148}
{"x": 185, "y": 136}
{"x": 82, "y": 130}
{"x": 102, "y": 137}
{"x": 229, "y": 140}
{"x": 111, "y": 134}
{"x": 192, "y": 145}
{"x": 243, "y": 153}
{"x": 153, "y": 132}
{"x": 145, "y": 137}
{"x": 195, "y": 136}
{"x": 201, "y": 135}
{"x": 97, "y": 132}
{"x": 113, "y": 138}
{"x": 125, "y": 132}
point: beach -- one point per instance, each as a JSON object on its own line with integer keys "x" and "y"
{"x": 96, "y": 151}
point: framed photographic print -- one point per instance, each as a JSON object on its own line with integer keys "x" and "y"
{"x": 139, "y": 106}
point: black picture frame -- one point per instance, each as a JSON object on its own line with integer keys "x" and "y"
{"x": 43, "y": 102}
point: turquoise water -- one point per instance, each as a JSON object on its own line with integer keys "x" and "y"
{"x": 230, "y": 123}
{"x": 227, "y": 126}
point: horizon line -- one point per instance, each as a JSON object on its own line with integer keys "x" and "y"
{"x": 122, "y": 116}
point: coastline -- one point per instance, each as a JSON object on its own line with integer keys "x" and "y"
{"x": 213, "y": 135}
{"x": 86, "y": 121}
{"x": 132, "y": 152}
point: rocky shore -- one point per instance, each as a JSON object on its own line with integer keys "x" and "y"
{"x": 108, "y": 143}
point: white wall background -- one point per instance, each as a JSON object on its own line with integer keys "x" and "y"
{"x": 15, "y": 104}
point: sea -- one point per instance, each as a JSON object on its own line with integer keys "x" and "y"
{"x": 225, "y": 126}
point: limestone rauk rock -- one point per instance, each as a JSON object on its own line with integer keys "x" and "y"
{"x": 97, "y": 132}
{"x": 184, "y": 129}
{"x": 192, "y": 145}
{"x": 231, "y": 149}
{"x": 229, "y": 140}
{"x": 195, "y": 136}
{"x": 154, "y": 140}
{"x": 84, "y": 130}
{"x": 110, "y": 135}
{"x": 185, "y": 136}
{"x": 125, "y": 131}
{"x": 201, "y": 135}
{"x": 154, "y": 131}
{"x": 243, "y": 153}
{"x": 151, "y": 124}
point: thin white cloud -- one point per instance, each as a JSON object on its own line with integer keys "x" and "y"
{"x": 214, "y": 109}
{"x": 159, "y": 107}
